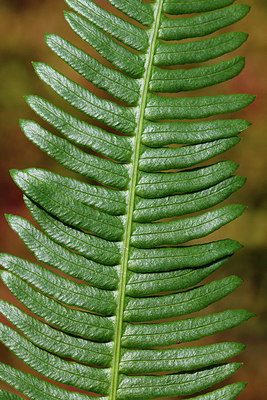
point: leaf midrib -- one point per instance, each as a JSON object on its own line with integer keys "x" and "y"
{"x": 133, "y": 184}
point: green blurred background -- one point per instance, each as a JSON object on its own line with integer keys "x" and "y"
{"x": 23, "y": 23}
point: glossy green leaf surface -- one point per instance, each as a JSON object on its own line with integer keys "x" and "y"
{"x": 136, "y": 9}
{"x": 116, "y": 147}
{"x": 162, "y": 134}
{"x": 156, "y": 160}
{"x": 190, "y": 6}
{"x": 51, "y": 366}
{"x": 172, "y": 305}
{"x": 186, "y": 358}
{"x": 161, "y": 108}
{"x": 229, "y": 392}
{"x": 103, "y": 110}
{"x": 172, "y": 258}
{"x": 8, "y": 396}
{"x": 186, "y": 181}
{"x": 198, "y": 50}
{"x": 170, "y": 206}
{"x": 36, "y": 388}
{"x": 172, "y": 81}
{"x": 200, "y": 25}
{"x": 115, "y": 276}
{"x": 143, "y": 387}
{"x": 127, "y": 61}
{"x": 140, "y": 284}
{"x": 117, "y": 84}
{"x": 146, "y": 336}
{"x": 56, "y": 341}
{"x": 60, "y": 288}
{"x": 120, "y": 29}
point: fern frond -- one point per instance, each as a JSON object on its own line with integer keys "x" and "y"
{"x": 116, "y": 269}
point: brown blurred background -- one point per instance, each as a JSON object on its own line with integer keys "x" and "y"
{"x": 23, "y": 23}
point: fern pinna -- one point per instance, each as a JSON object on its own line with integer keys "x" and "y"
{"x": 111, "y": 330}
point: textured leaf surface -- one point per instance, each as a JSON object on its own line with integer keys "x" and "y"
{"x": 116, "y": 147}
{"x": 99, "y": 169}
{"x": 198, "y": 50}
{"x": 151, "y": 309}
{"x": 160, "y": 108}
{"x": 153, "y": 160}
{"x": 185, "y": 181}
{"x": 103, "y": 199}
{"x": 187, "y": 330}
{"x": 72, "y": 321}
{"x": 36, "y": 388}
{"x": 114, "y": 82}
{"x": 171, "y": 258}
{"x": 103, "y": 110}
{"x": 176, "y": 205}
{"x": 190, "y": 6}
{"x": 8, "y": 396}
{"x": 186, "y": 358}
{"x": 60, "y": 288}
{"x": 127, "y": 61}
{"x": 201, "y": 25}
{"x": 139, "y": 285}
{"x": 144, "y": 387}
{"x": 172, "y": 81}
{"x": 115, "y": 276}
{"x": 139, "y": 11}
{"x": 53, "y": 367}
{"x": 55, "y": 341}
{"x": 117, "y": 27}
{"x": 229, "y": 392}
{"x": 161, "y": 134}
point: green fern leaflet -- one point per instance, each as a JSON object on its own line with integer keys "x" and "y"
{"x": 111, "y": 330}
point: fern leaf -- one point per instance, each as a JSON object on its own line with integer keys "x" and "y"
{"x": 115, "y": 269}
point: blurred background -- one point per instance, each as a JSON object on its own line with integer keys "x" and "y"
{"x": 23, "y": 24}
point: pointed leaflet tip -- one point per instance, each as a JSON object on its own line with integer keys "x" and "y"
{"x": 12, "y": 220}
{"x": 236, "y": 279}
{"x": 24, "y": 122}
{"x": 243, "y": 180}
{"x": 234, "y": 165}
{"x": 251, "y": 98}
{"x": 9, "y": 217}
{"x": 13, "y": 172}
{"x": 34, "y": 64}
{"x": 247, "y": 314}
{"x": 28, "y": 127}
{"x": 66, "y": 14}
{"x": 31, "y": 100}
{"x": 21, "y": 120}
{"x": 245, "y": 125}
{"x": 244, "y": 7}
{"x": 239, "y": 208}
{"x": 3, "y": 257}
{"x": 237, "y": 245}
{"x": 240, "y": 346}
{"x": 48, "y": 36}
{"x": 243, "y": 35}
{"x": 49, "y": 39}
{"x": 16, "y": 176}
{"x": 38, "y": 66}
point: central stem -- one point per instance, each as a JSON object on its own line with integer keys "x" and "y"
{"x": 128, "y": 227}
